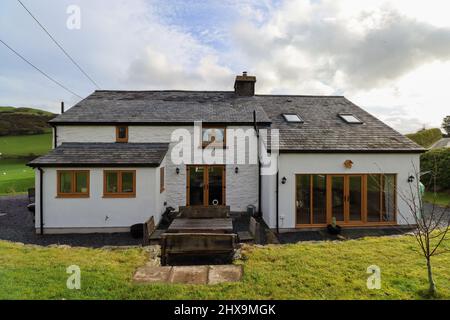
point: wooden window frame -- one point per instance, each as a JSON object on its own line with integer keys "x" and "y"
{"x": 122, "y": 140}
{"x": 119, "y": 194}
{"x": 161, "y": 180}
{"x": 214, "y": 145}
{"x": 73, "y": 193}
{"x": 348, "y": 223}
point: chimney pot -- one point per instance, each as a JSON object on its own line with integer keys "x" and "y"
{"x": 244, "y": 73}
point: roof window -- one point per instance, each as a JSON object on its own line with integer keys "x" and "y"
{"x": 349, "y": 118}
{"x": 292, "y": 117}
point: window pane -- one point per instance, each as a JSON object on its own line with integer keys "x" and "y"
{"x": 373, "y": 197}
{"x": 65, "y": 183}
{"x": 215, "y": 193}
{"x": 127, "y": 182}
{"x": 319, "y": 199}
{"x": 122, "y": 132}
{"x": 337, "y": 198}
{"x": 355, "y": 197}
{"x": 303, "y": 200}
{"x": 388, "y": 199}
{"x": 349, "y": 118}
{"x": 81, "y": 185}
{"x": 292, "y": 118}
{"x": 213, "y": 135}
{"x": 196, "y": 185}
{"x": 111, "y": 182}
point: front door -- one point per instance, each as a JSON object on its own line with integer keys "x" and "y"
{"x": 346, "y": 198}
{"x": 205, "y": 185}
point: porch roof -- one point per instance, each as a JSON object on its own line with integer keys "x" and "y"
{"x": 104, "y": 155}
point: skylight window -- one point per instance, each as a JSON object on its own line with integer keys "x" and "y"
{"x": 349, "y": 118}
{"x": 292, "y": 117}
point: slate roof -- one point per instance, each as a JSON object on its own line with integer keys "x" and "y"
{"x": 163, "y": 107}
{"x": 104, "y": 154}
{"x": 322, "y": 130}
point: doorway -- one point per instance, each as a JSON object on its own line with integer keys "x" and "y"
{"x": 205, "y": 185}
{"x": 347, "y": 198}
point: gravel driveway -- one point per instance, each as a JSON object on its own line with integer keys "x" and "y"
{"x": 16, "y": 224}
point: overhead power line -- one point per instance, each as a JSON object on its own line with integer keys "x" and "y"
{"x": 59, "y": 46}
{"x": 39, "y": 70}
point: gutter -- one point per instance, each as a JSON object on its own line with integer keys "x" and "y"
{"x": 41, "y": 197}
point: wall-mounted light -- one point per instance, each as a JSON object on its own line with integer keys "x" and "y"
{"x": 177, "y": 170}
{"x": 236, "y": 170}
{"x": 283, "y": 180}
{"x": 411, "y": 179}
{"x": 348, "y": 164}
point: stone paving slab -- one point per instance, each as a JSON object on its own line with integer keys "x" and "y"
{"x": 209, "y": 274}
{"x": 189, "y": 275}
{"x": 224, "y": 273}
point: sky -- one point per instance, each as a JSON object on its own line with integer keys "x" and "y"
{"x": 390, "y": 57}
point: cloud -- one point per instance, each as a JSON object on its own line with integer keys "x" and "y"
{"x": 390, "y": 57}
{"x": 306, "y": 40}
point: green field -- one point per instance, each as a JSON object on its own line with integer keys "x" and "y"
{"x": 320, "y": 270}
{"x": 15, "y": 152}
{"x": 440, "y": 198}
{"x": 15, "y": 176}
{"x": 25, "y": 146}
{"x": 8, "y": 109}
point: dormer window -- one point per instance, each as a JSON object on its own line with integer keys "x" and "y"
{"x": 213, "y": 136}
{"x": 122, "y": 134}
{"x": 350, "y": 118}
{"x": 292, "y": 117}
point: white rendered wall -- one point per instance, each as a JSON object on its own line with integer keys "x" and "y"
{"x": 96, "y": 211}
{"x": 241, "y": 188}
{"x": 313, "y": 163}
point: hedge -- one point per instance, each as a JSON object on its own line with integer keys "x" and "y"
{"x": 426, "y": 137}
{"x": 438, "y": 162}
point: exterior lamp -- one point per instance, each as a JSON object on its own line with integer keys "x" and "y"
{"x": 283, "y": 180}
{"x": 177, "y": 170}
{"x": 236, "y": 170}
{"x": 411, "y": 179}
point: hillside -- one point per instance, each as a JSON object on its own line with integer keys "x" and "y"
{"x": 24, "y": 121}
{"x": 426, "y": 137}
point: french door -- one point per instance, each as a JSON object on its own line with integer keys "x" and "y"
{"x": 346, "y": 198}
{"x": 205, "y": 185}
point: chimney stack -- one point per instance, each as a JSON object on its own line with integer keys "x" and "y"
{"x": 244, "y": 85}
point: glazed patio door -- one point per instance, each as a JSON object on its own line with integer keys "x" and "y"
{"x": 347, "y": 198}
{"x": 205, "y": 185}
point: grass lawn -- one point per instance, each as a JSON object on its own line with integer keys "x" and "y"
{"x": 440, "y": 198}
{"x": 22, "y": 146}
{"x": 324, "y": 270}
{"x": 15, "y": 176}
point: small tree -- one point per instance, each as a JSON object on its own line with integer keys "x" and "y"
{"x": 446, "y": 124}
{"x": 429, "y": 222}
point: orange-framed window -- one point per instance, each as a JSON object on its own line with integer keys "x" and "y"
{"x": 161, "y": 180}
{"x": 119, "y": 183}
{"x": 214, "y": 136}
{"x": 121, "y": 133}
{"x": 72, "y": 183}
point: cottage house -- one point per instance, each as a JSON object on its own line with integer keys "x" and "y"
{"x": 120, "y": 157}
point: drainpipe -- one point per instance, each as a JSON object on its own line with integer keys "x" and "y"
{"x": 277, "y": 210}
{"x": 259, "y": 163}
{"x": 41, "y": 212}
{"x": 55, "y": 137}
